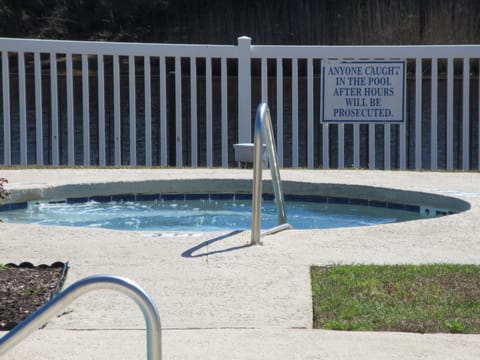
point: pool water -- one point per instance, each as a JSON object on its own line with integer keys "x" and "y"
{"x": 201, "y": 215}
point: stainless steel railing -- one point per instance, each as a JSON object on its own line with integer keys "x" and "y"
{"x": 264, "y": 132}
{"x": 97, "y": 282}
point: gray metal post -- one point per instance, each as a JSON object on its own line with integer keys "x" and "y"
{"x": 264, "y": 131}
{"x": 97, "y": 282}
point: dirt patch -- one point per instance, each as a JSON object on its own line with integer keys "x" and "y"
{"x": 25, "y": 288}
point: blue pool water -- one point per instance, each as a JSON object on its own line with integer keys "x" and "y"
{"x": 204, "y": 214}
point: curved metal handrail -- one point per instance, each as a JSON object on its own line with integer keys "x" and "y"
{"x": 59, "y": 302}
{"x": 263, "y": 131}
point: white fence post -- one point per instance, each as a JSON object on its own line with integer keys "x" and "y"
{"x": 244, "y": 90}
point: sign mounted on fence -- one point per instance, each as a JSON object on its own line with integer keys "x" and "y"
{"x": 363, "y": 91}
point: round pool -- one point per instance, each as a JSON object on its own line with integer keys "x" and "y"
{"x": 207, "y": 212}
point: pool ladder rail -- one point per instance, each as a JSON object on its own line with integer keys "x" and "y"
{"x": 264, "y": 132}
{"x": 97, "y": 282}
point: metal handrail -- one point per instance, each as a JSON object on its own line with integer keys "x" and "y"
{"x": 59, "y": 302}
{"x": 263, "y": 131}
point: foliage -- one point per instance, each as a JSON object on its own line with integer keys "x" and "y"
{"x": 79, "y": 19}
{"x": 4, "y": 194}
{"x": 409, "y": 298}
{"x": 305, "y": 22}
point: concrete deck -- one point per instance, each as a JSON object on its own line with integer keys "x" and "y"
{"x": 219, "y": 298}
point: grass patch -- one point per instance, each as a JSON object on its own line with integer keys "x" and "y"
{"x": 439, "y": 298}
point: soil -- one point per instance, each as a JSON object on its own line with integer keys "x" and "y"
{"x": 23, "y": 290}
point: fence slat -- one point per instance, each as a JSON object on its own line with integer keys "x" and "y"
{"x": 193, "y": 112}
{"x": 116, "y": 112}
{"x": 23, "y": 108}
{"x": 7, "y": 155}
{"x": 224, "y": 110}
{"x": 418, "y": 114}
{"x": 310, "y": 131}
{"x": 86, "y": 110}
{"x": 101, "y": 111}
{"x": 279, "y": 135}
{"x": 38, "y": 109}
{"x": 294, "y": 113}
{"x": 341, "y": 146}
{"x": 132, "y": 107}
{"x": 365, "y": 52}
{"x": 208, "y": 107}
{"x": 403, "y": 146}
{"x": 371, "y": 146}
{"x": 387, "y": 163}
{"x": 147, "y": 89}
{"x": 356, "y": 146}
{"x": 54, "y": 109}
{"x": 264, "y": 77}
{"x": 450, "y": 83}
{"x": 466, "y": 115}
{"x": 434, "y": 116}
{"x": 70, "y": 112}
{"x": 163, "y": 113}
{"x": 178, "y": 113}
{"x": 119, "y": 48}
{"x": 325, "y": 147}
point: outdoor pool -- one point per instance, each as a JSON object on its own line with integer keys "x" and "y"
{"x": 207, "y": 212}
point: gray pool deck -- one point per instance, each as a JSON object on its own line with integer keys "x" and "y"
{"x": 219, "y": 298}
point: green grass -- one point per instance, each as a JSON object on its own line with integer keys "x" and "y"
{"x": 410, "y": 298}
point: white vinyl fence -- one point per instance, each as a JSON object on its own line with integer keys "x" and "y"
{"x": 110, "y": 104}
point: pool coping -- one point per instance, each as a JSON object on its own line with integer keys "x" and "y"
{"x": 414, "y": 201}
{"x": 138, "y": 197}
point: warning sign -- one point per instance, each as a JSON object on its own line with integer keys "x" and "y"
{"x": 363, "y": 91}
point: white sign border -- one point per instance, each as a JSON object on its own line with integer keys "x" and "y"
{"x": 403, "y": 62}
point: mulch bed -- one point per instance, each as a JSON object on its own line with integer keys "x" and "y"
{"x": 25, "y": 288}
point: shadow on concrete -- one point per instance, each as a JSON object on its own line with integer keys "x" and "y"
{"x": 190, "y": 252}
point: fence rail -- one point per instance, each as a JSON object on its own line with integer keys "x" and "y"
{"x": 109, "y": 104}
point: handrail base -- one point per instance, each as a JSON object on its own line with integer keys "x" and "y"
{"x": 271, "y": 231}
{"x": 277, "y": 229}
